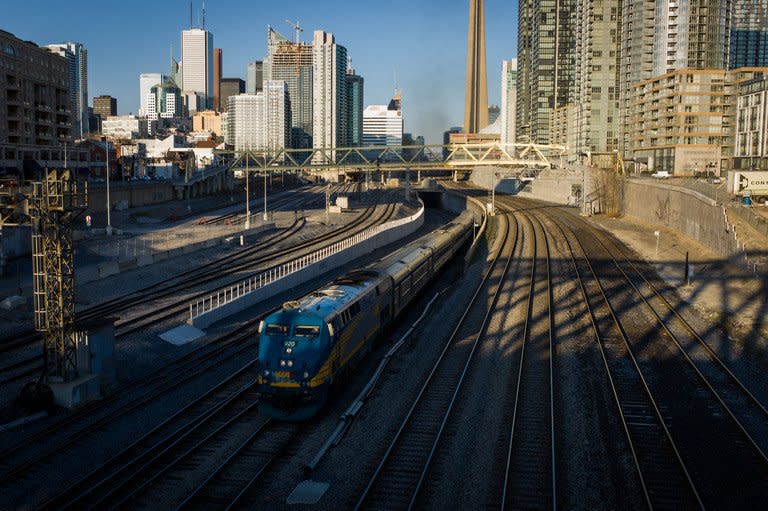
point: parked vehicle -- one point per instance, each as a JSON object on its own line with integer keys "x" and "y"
{"x": 661, "y": 174}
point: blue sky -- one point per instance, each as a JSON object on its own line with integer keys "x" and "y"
{"x": 424, "y": 40}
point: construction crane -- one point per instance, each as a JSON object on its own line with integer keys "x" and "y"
{"x": 296, "y": 29}
{"x": 49, "y": 206}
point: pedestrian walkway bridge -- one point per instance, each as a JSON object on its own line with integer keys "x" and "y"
{"x": 449, "y": 157}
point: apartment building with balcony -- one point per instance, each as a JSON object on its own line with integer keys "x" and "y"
{"x": 662, "y": 36}
{"x": 35, "y": 108}
{"x": 751, "y": 138}
{"x": 684, "y": 121}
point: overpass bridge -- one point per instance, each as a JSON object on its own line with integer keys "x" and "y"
{"x": 453, "y": 158}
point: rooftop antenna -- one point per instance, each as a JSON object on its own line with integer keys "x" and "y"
{"x": 394, "y": 73}
{"x": 190, "y": 15}
{"x": 203, "y": 14}
{"x": 297, "y": 29}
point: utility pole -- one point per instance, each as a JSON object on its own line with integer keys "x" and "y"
{"x": 247, "y": 192}
{"x": 493, "y": 193}
{"x": 109, "y": 208}
{"x": 266, "y": 177}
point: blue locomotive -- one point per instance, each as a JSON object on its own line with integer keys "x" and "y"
{"x": 307, "y": 345}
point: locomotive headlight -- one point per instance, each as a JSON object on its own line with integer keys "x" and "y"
{"x": 306, "y": 375}
{"x": 288, "y": 351}
{"x": 282, "y": 363}
{"x": 266, "y": 372}
{"x": 290, "y": 363}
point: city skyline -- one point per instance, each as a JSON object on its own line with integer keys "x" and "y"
{"x": 432, "y": 84}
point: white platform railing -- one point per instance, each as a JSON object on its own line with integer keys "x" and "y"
{"x": 241, "y": 289}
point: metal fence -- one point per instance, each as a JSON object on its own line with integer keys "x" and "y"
{"x": 232, "y": 293}
{"x": 125, "y": 248}
{"x": 755, "y": 220}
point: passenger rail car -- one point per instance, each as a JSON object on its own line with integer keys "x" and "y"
{"x": 309, "y": 343}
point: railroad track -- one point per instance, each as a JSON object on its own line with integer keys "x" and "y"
{"x": 663, "y": 476}
{"x": 233, "y": 482}
{"x": 732, "y": 469}
{"x": 259, "y": 254}
{"x": 530, "y": 467}
{"x": 282, "y": 202}
{"x": 17, "y": 462}
{"x": 670, "y": 408}
{"x": 398, "y": 479}
{"x": 118, "y": 479}
{"x": 232, "y": 263}
{"x": 86, "y": 423}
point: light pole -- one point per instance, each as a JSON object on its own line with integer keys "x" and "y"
{"x": 493, "y": 193}
{"x": 266, "y": 176}
{"x": 247, "y": 192}
{"x": 109, "y": 209}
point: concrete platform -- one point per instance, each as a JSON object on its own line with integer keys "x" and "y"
{"x": 182, "y": 334}
{"x": 77, "y": 392}
{"x": 307, "y": 493}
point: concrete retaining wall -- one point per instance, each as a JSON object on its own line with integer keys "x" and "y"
{"x": 311, "y": 272}
{"x": 135, "y": 194}
{"x": 686, "y": 211}
{"x": 458, "y": 203}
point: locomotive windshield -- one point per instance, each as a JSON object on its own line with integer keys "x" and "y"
{"x": 306, "y": 331}
{"x": 277, "y": 329}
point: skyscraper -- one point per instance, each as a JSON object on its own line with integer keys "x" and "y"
{"x": 146, "y": 82}
{"x": 277, "y": 116}
{"x": 691, "y": 33}
{"x": 245, "y": 119}
{"x": 254, "y": 78}
{"x": 508, "y": 100}
{"x": 329, "y": 92}
{"x": 164, "y": 101}
{"x": 197, "y": 64}
{"x": 77, "y": 56}
{"x": 596, "y": 91}
{"x": 355, "y": 105}
{"x": 749, "y": 34}
{"x": 292, "y": 63}
{"x": 217, "y": 64}
{"x": 661, "y": 36}
{"x": 230, "y": 87}
{"x": 104, "y": 106}
{"x": 260, "y": 121}
{"x": 383, "y": 125}
{"x": 546, "y": 46}
{"x": 476, "y": 91}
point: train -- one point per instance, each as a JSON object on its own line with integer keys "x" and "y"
{"x": 308, "y": 345}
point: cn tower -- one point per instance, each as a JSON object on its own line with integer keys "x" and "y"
{"x": 476, "y": 98}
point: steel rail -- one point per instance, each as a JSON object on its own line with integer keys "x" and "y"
{"x": 129, "y": 456}
{"x": 695, "y": 335}
{"x": 526, "y": 340}
{"x": 221, "y": 343}
{"x": 704, "y": 380}
{"x": 644, "y": 383}
{"x": 396, "y": 441}
{"x": 159, "y": 384}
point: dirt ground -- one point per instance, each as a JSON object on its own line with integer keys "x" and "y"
{"x": 719, "y": 289}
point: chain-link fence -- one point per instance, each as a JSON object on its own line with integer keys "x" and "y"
{"x": 121, "y": 248}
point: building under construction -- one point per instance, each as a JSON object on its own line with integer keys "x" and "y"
{"x": 291, "y": 62}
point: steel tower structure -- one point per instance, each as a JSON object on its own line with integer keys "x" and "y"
{"x": 476, "y": 96}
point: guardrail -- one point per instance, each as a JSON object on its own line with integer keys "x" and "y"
{"x": 263, "y": 279}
